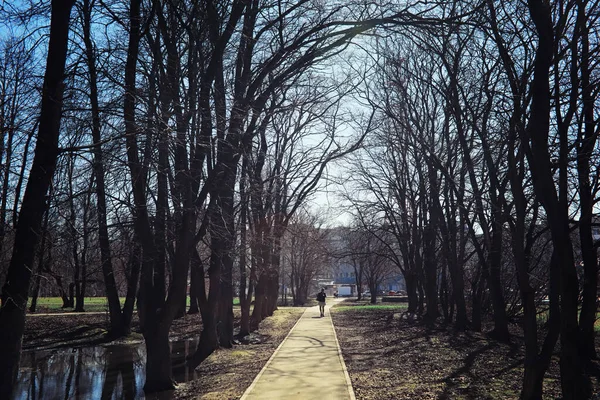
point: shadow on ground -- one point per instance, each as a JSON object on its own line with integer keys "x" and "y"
{"x": 390, "y": 357}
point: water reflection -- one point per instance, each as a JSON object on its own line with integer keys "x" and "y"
{"x": 111, "y": 372}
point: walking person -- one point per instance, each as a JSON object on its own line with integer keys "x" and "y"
{"x": 321, "y": 299}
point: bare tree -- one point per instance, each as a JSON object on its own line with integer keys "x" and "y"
{"x": 304, "y": 252}
{"x": 16, "y": 288}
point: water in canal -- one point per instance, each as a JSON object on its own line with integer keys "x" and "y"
{"x": 108, "y": 372}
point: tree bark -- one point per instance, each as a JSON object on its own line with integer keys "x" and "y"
{"x": 16, "y": 287}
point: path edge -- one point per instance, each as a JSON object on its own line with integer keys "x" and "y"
{"x": 341, "y": 356}
{"x": 253, "y": 384}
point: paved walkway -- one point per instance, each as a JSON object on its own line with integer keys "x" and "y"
{"x": 308, "y": 364}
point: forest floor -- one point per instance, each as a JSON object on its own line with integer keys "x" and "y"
{"x": 389, "y": 357}
{"x": 58, "y": 330}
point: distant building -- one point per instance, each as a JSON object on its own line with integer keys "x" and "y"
{"x": 341, "y": 274}
{"x": 596, "y": 229}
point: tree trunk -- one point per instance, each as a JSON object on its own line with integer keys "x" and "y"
{"x": 16, "y": 287}
{"x": 373, "y": 289}
{"x": 71, "y": 295}
{"x": 208, "y": 343}
{"x": 134, "y": 265}
{"x": 573, "y": 382}
{"x": 245, "y": 317}
{"x": 158, "y": 361}
{"x": 209, "y": 340}
{"x": 246, "y": 283}
{"x": 36, "y": 291}
{"x": 41, "y": 267}
{"x": 477, "y": 289}
{"x": 500, "y": 331}
{"x": 444, "y": 296}
{"x": 410, "y": 280}
{"x": 82, "y": 283}
{"x": 194, "y": 282}
{"x": 587, "y": 318}
{"x": 222, "y": 246}
{"x": 259, "y": 300}
{"x": 114, "y": 306}
{"x": 156, "y": 322}
{"x": 421, "y": 293}
{"x": 430, "y": 265}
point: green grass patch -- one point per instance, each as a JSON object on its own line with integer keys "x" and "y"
{"x": 373, "y": 307}
{"x": 90, "y": 304}
{"x": 54, "y": 304}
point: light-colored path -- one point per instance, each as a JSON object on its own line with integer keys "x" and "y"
{"x": 307, "y": 365}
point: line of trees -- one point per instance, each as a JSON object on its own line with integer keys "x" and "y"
{"x": 483, "y": 173}
{"x": 185, "y": 135}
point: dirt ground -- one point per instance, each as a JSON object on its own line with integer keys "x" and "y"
{"x": 69, "y": 330}
{"x": 224, "y": 375}
{"x": 389, "y": 357}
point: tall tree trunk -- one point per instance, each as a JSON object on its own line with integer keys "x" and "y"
{"x": 82, "y": 283}
{"x": 160, "y": 224}
{"x": 223, "y": 244}
{"x": 16, "y": 288}
{"x": 114, "y": 306}
{"x": 36, "y": 290}
{"x": 41, "y": 266}
{"x": 6, "y": 166}
{"x": 74, "y": 239}
{"x": 587, "y": 318}
{"x": 573, "y": 382}
{"x": 430, "y": 266}
{"x": 156, "y": 323}
{"x": 500, "y": 331}
{"x": 133, "y": 265}
{"x": 246, "y": 280}
{"x": 274, "y": 267}
{"x": 444, "y": 296}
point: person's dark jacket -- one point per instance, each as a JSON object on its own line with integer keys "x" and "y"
{"x": 321, "y": 296}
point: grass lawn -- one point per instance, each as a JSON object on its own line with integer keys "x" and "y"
{"x": 54, "y": 304}
{"x": 372, "y": 307}
{"x": 90, "y": 304}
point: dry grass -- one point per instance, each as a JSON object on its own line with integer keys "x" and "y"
{"x": 389, "y": 357}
